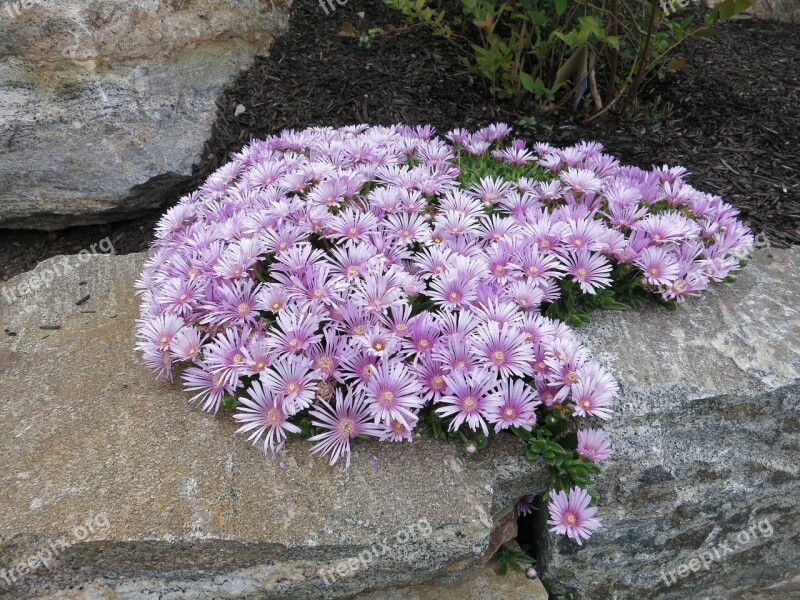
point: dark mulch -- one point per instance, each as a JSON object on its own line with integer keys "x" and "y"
{"x": 732, "y": 116}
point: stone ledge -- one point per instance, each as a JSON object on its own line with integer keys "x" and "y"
{"x": 193, "y": 510}
{"x": 706, "y": 436}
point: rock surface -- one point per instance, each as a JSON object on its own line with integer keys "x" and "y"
{"x": 707, "y": 440}
{"x": 154, "y": 496}
{"x": 786, "y": 11}
{"x": 150, "y": 496}
{"x": 480, "y": 583}
{"x": 105, "y": 105}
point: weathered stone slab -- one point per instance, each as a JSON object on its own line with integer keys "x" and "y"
{"x": 786, "y": 11}
{"x": 105, "y": 105}
{"x": 480, "y": 583}
{"x": 707, "y": 446}
{"x": 177, "y": 503}
{"x": 706, "y": 439}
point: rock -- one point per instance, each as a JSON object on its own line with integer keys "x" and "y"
{"x": 105, "y": 105}
{"x": 706, "y": 440}
{"x": 154, "y": 496}
{"x": 480, "y": 583}
{"x": 787, "y": 11}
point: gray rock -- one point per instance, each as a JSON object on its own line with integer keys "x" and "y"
{"x": 480, "y": 583}
{"x": 172, "y": 502}
{"x": 786, "y": 11}
{"x": 706, "y": 440}
{"x": 104, "y": 106}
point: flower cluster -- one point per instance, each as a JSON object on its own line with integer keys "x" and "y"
{"x": 353, "y": 279}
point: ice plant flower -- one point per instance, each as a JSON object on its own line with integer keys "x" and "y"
{"x": 373, "y": 281}
{"x": 347, "y": 420}
{"x": 594, "y": 445}
{"x": 571, "y": 515}
{"x": 470, "y": 399}
{"x": 264, "y": 415}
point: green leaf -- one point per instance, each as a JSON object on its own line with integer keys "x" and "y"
{"x": 675, "y": 64}
{"x": 561, "y": 7}
{"x": 706, "y": 32}
{"x": 527, "y": 82}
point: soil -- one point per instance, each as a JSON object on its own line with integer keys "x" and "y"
{"x": 731, "y": 116}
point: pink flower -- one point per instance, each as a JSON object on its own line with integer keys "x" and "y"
{"x": 593, "y": 445}
{"x": 344, "y": 422}
{"x": 571, "y": 515}
{"x": 594, "y": 392}
{"x": 590, "y": 271}
{"x": 505, "y": 351}
{"x": 264, "y": 414}
{"x": 470, "y": 399}
{"x": 516, "y": 408}
{"x": 393, "y": 394}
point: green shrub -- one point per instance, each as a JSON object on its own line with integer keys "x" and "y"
{"x": 586, "y": 54}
